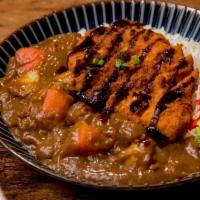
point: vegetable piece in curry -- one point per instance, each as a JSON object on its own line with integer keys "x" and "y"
{"x": 110, "y": 107}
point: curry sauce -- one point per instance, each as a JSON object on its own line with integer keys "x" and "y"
{"x": 68, "y": 135}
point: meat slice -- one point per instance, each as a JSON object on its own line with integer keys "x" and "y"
{"x": 174, "y": 110}
{"x": 148, "y": 91}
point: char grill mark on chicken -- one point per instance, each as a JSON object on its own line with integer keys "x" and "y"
{"x": 156, "y": 92}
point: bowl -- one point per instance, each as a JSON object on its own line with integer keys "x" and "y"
{"x": 173, "y": 18}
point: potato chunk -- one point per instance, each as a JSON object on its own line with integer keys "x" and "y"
{"x": 24, "y": 84}
{"x": 85, "y": 139}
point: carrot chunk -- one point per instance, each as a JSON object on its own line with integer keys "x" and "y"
{"x": 84, "y": 134}
{"x": 56, "y": 103}
{"x": 29, "y": 58}
{"x": 26, "y": 55}
{"x": 29, "y": 66}
{"x": 85, "y": 140}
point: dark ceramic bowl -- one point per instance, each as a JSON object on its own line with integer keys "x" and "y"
{"x": 174, "y": 19}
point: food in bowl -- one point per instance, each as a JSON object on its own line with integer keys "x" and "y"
{"x": 113, "y": 106}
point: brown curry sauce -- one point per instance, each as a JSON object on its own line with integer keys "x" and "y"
{"x": 116, "y": 150}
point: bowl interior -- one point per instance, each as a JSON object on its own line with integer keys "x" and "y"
{"x": 173, "y": 18}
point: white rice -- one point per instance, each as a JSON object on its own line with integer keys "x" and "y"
{"x": 82, "y": 31}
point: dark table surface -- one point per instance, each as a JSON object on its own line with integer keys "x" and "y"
{"x": 19, "y": 182}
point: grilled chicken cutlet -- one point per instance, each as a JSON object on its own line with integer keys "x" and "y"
{"x": 128, "y": 69}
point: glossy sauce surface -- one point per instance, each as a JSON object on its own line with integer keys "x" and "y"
{"x": 116, "y": 150}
